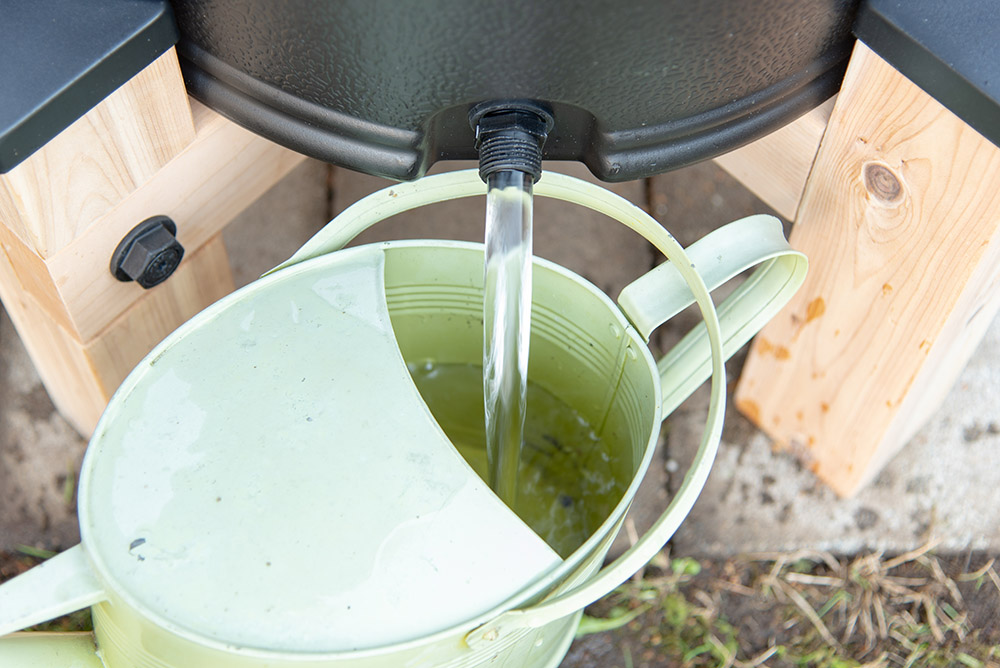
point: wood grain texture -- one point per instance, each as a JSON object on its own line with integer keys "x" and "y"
{"x": 52, "y": 197}
{"x": 81, "y": 376}
{"x": 900, "y": 221}
{"x": 27, "y": 273}
{"x": 206, "y": 185}
{"x": 83, "y": 329}
{"x": 776, "y": 167}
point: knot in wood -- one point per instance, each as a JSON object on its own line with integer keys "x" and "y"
{"x": 882, "y": 184}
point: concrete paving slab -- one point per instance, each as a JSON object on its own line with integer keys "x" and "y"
{"x": 270, "y": 230}
{"x": 693, "y": 201}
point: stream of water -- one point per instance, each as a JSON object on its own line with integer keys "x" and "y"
{"x": 507, "y": 323}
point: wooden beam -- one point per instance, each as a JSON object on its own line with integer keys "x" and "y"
{"x": 59, "y": 191}
{"x": 901, "y": 221}
{"x": 776, "y": 167}
{"x": 216, "y": 176}
{"x": 143, "y": 151}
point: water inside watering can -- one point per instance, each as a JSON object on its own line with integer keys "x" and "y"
{"x": 506, "y": 321}
{"x": 566, "y": 485}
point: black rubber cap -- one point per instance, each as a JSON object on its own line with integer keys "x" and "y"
{"x": 149, "y": 253}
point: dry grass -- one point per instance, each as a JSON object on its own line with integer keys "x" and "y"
{"x": 812, "y": 609}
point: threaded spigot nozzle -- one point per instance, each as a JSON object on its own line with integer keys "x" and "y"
{"x": 510, "y": 136}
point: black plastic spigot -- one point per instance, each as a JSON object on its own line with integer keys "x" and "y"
{"x": 510, "y": 135}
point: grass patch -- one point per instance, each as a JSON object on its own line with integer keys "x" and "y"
{"x": 810, "y": 609}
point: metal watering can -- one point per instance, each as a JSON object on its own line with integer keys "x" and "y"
{"x": 268, "y": 489}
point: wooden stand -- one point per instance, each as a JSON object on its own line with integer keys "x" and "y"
{"x": 899, "y": 217}
{"x": 143, "y": 151}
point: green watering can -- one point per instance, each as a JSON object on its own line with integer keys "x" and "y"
{"x": 269, "y": 489}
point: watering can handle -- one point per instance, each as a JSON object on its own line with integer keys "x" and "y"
{"x": 652, "y": 299}
{"x": 698, "y": 354}
{"x": 63, "y": 584}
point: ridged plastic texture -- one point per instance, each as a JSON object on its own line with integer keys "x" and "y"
{"x": 635, "y": 88}
{"x": 518, "y": 151}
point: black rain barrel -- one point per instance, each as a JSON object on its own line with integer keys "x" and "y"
{"x": 637, "y": 88}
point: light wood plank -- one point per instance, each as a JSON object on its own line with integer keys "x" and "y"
{"x": 900, "y": 221}
{"x": 52, "y": 197}
{"x": 29, "y": 274}
{"x": 217, "y": 176}
{"x": 776, "y": 167}
{"x": 81, "y": 376}
{"x": 57, "y": 356}
{"x": 213, "y": 179}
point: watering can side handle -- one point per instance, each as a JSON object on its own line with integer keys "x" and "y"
{"x": 63, "y": 584}
{"x": 661, "y": 293}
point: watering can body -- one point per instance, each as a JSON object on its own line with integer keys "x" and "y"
{"x": 193, "y": 555}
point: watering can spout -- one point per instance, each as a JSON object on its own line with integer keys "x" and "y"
{"x": 63, "y": 584}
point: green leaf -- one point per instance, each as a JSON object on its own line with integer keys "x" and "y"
{"x": 685, "y": 566}
{"x": 69, "y": 487}
{"x": 36, "y": 552}
{"x": 970, "y": 661}
{"x": 676, "y": 610}
{"x": 589, "y": 625}
{"x": 802, "y": 566}
{"x": 724, "y": 628}
{"x": 839, "y": 596}
{"x": 697, "y": 651}
{"x": 837, "y": 662}
{"x": 950, "y": 611}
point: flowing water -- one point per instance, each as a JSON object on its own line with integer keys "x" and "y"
{"x": 566, "y": 482}
{"x": 507, "y": 322}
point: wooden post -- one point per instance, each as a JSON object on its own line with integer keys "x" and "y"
{"x": 776, "y": 167}
{"x": 139, "y": 153}
{"x": 59, "y": 191}
{"x": 900, "y": 220}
